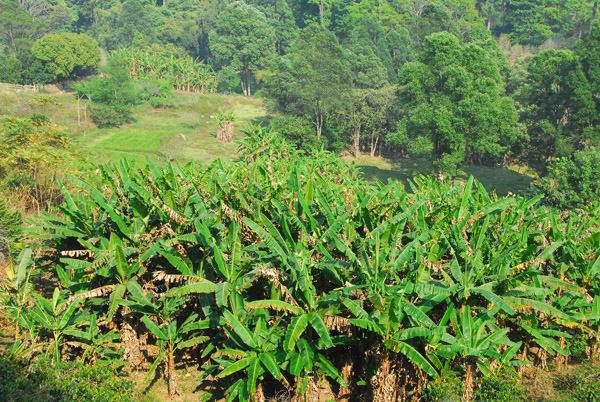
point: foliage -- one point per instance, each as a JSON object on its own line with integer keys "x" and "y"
{"x": 131, "y": 24}
{"x": 581, "y": 385}
{"x": 454, "y": 96}
{"x": 369, "y": 117}
{"x": 501, "y": 387}
{"x": 313, "y": 79}
{"x": 10, "y": 227}
{"x": 286, "y": 268}
{"x": 168, "y": 63}
{"x": 67, "y": 55}
{"x": 241, "y": 42}
{"x": 114, "y": 94}
{"x": 447, "y": 388}
{"x": 157, "y": 92}
{"x": 110, "y": 116}
{"x": 572, "y": 182}
{"x": 31, "y": 381}
{"x": 297, "y": 130}
{"x": 34, "y": 153}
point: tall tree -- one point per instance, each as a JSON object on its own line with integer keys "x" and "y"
{"x": 242, "y": 41}
{"x": 280, "y": 17}
{"x": 368, "y": 117}
{"x": 18, "y": 29}
{"x": 452, "y": 102}
{"x": 557, "y": 103}
{"x": 67, "y": 55}
{"x": 313, "y": 79}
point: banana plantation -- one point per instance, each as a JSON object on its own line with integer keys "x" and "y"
{"x": 166, "y": 63}
{"x": 284, "y": 274}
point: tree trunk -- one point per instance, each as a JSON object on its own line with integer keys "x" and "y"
{"x": 385, "y": 382}
{"x": 259, "y": 395}
{"x": 346, "y": 373}
{"x": 225, "y": 131}
{"x": 356, "y": 141}
{"x": 489, "y": 18}
{"x": 322, "y": 14}
{"x": 171, "y": 373}
{"x": 245, "y": 78}
{"x": 594, "y": 14}
{"x": 374, "y": 142}
{"x": 319, "y": 119}
{"x": 469, "y": 381}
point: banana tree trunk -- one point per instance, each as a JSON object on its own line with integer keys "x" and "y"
{"x": 385, "y": 381}
{"x": 346, "y": 372}
{"x": 171, "y": 372}
{"x": 469, "y": 381}
{"x": 259, "y": 395}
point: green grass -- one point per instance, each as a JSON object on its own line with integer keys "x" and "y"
{"x": 135, "y": 140}
{"x": 499, "y": 179}
{"x": 185, "y": 132}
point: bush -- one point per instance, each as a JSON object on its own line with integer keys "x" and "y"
{"x": 572, "y": 182}
{"x": 501, "y": 387}
{"x": 441, "y": 392}
{"x": 40, "y": 381}
{"x": 110, "y": 116}
{"x": 297, "y": 130}
{"x": 583, "y": 385}
{"x": 446, "y": 389}
{"x": 153, "y": 89}
{"x": 10, "y": 230}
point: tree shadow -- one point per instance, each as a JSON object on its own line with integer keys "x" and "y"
{"x": 494, "y": 179}
{"x": 499, "y": 179}
{"x": 373, "y": 173}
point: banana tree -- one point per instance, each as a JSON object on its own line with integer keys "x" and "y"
{"x": 17, "y": 291}
{"x": 255, "y": 352}
{"x": 97, "y": 346}
{"x": 60, "y": 317}
{"x": 477, "y": 340}
{"x": 172, "y": 334}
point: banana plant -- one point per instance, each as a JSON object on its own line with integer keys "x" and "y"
{"x": 61, "y": 318}
{"x": 97, "y": 346}
{"x": 172, "y": 334}
{"x": 17, "y": 291}
{"x": 477, "y": 340}
{"x": 255, "y": 352}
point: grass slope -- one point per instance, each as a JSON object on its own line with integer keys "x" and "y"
{"x": 187, "y": 132}
{"x": 184, "y": 133}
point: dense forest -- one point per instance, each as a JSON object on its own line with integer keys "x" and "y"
{"x": 284, "y": 274}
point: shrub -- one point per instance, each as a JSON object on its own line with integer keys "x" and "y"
{"x": 110, "y": 116}
{"x": 448, "y": 390}
{"x": 9, "y": 226}
{"x": 502, "y": 387}
{"x": 572, "y": 182}
{"x": 157, "y": 92}
{"x": 582, "y": 385}
{"x": 40, "y": 381}
{"x": 297, "y": 130}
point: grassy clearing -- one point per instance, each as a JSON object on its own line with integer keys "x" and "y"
{"x": 499, "y": 179}
{"x": 184, "y": 133}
